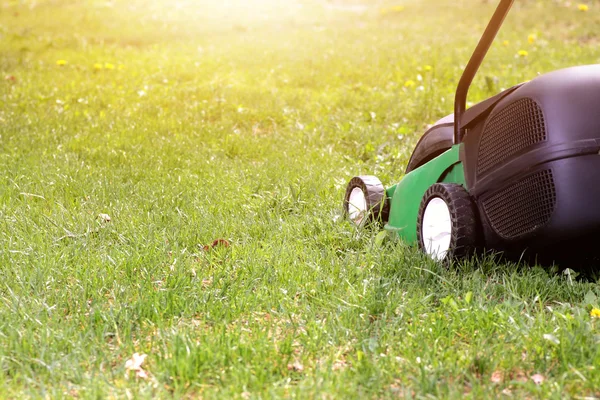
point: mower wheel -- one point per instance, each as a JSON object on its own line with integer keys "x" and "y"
{"x": 366, "y": 201}
{"x": 448, "y": 224}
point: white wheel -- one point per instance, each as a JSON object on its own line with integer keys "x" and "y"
{"x": 357, "y": 206}
{"x": 365, "y": 201}
{"x": 437, "y": 229}
{"x": 448, "y": 227}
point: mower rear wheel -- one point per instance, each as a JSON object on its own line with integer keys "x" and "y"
{"x": 365, "y": 201}
{"x": 448, "y": 224}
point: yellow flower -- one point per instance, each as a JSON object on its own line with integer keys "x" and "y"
{"x": 409, "y": 83}
{"x": 61, "y": 62}
{"x": 121, "y": 66}
{"x": 531, "y": 38}
{"x": 522, "y": 53}
{"x": 506, "y": 43}
{"x": 109, "y": 66}
{"x": 595, "y": 313}
{"x": 428, "y": 68}
{"x": 98, "y": 66}
{"x": 391, "y": 10}
{"x": 583, "y": 7}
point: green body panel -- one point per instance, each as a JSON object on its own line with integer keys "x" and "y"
{"x": 406, "y": 196}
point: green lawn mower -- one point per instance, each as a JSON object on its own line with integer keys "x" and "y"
{"x": 517, "y": 173}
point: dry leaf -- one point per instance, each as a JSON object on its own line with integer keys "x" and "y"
{"x": 340, "y": 364}
{"x": 215, "y": 243}
{"x": 538, "y": 379}
{"x": 220, "y": 242}
{"x": 140, "y": 373}
{"x": 135, "y": 364}
{"x": 551, "y": 338}
{"x": 296, "y": 367}
{"x": 104, "y": 217}
{"x": 497, "y": 377}
{"x": 519, "y": 376}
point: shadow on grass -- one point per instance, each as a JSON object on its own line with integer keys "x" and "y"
{"x": 403, "y": 271}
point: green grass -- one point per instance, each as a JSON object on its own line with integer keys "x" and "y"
{"x": 245, "y": 123}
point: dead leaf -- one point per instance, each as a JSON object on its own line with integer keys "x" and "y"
{"x": 220, "y": 242}
{"x": 340, "y": 364}
{"x": 538, "y": 379}
{"x": 104, "y": 217}
{"x": 296, "y": 367}
{"x": 519, "y": 376}
{"x": 551, "y": 338}
{"x": 135, "y": 364}
{"x": 507, "y": 391}
{"x": 497, "y": 377}
{"x": 215, "y": 243}
{"x": 140, "y": 373}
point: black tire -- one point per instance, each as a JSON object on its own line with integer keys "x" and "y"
{"x": 465, "y": 234}
{"x": 377, "y": 206}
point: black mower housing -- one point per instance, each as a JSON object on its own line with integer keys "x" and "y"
{"x": 533, "y": 164}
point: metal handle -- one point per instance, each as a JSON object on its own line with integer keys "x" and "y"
{"x": 460, "y": 100}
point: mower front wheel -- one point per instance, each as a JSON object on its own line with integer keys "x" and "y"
{"x": 448, "y": 224}
{"x": 365, "y": 201}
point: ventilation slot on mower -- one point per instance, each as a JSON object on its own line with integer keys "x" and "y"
{"x": 516, "y": 127}
{"x": 522, "y": 207}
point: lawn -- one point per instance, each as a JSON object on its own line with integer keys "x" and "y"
{"x": 134, "y": 134}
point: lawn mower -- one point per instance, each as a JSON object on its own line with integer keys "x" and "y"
{"x": 516, "y": 173}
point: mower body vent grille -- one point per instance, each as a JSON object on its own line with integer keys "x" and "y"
{"x": 522, "y": 207}
{"x": 519, "y": 125}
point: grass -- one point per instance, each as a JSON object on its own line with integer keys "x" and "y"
{"x": 244, "y": 122}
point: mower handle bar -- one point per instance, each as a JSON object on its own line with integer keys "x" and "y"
{"x": 460, "y": 99}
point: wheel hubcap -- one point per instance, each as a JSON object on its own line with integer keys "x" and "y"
{"x": 437, "y": 229}
{"x": 357, "y": 206}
